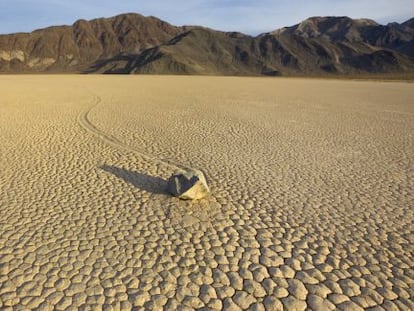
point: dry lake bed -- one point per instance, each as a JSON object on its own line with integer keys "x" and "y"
{"x": 312, "y": 202}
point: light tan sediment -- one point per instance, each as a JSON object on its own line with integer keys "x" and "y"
{"x": 311, "y": 206}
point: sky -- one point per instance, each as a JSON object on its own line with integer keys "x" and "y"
{"x": 252, "y": 17}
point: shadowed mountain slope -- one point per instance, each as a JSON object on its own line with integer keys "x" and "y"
{"x": 73, "y": 48}
{"x": 132, "y": 43}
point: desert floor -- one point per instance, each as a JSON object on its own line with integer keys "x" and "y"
{"x": 312, "y": 202}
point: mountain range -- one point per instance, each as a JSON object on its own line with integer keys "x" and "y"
{"x": 132, "y": 43}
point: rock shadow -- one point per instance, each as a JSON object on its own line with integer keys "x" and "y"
{"x": 139, "y": 180}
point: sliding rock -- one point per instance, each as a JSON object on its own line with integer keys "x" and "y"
{"x": 188, "y": 185}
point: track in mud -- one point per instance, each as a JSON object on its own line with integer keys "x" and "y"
{"x": 85, "y": 123}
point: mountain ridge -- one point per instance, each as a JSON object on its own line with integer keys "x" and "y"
{"x": 133, "y": 43}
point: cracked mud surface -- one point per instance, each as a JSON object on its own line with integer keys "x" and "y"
{"x": 311, "y": 206}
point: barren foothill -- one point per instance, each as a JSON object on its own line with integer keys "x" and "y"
{"x": 311, "y": 205}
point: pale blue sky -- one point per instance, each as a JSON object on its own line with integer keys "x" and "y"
{"x": 251, "y": 17}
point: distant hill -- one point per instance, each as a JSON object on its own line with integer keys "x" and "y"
{"x": 132, "y": 43}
